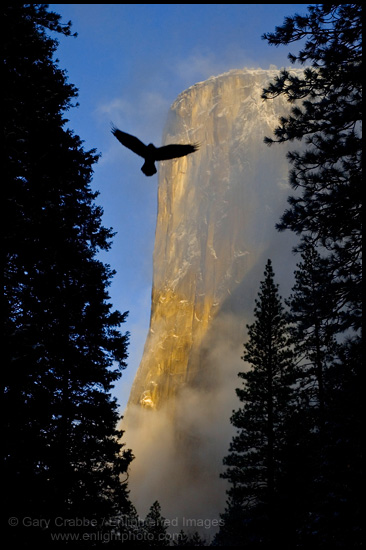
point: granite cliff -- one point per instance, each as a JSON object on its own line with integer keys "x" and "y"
{"x": 216, "y": 215}
{"x": 217, "y": 209}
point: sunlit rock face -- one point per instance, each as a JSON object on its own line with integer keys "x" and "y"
{"x": 217, "y": 210}
{"x": 216, "y": 214}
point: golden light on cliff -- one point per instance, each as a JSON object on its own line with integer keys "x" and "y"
{"x": 217, "y": 210}
{"x": 146, "y": 400}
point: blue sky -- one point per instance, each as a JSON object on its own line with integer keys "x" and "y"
{"x": 129, "y": 63}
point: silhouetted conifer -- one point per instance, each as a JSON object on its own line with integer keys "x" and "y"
{"x": 254, "y": 464}
{"x": 325, "y": 212}
{"x": 63, "y": 349}
{"x": 311, "y": 315}
{"x": 156, "y": 527}
{"x": 183, "y": 539}
{"x": 326, "y": 209}
{"x": 324, "y": 455}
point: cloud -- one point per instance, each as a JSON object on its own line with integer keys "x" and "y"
{"x": 200, "y": 66}
{"x": 143, "y": 114}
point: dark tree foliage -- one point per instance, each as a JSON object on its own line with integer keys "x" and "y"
{"x": 326, "y": 304}
{"x": 156, "y": 527}
{"x": 318, "y": 493}
{"x": 182, "y": 539}
{"x": 63, "y": 349}
{"x": 188, "y": 540}
{"x": 326, "y": 117}
{"x": 311, "y": 307}
{"x": 254, "y": 465}
{"x": 329, "y": 390}
{"x": 323, "y": 450}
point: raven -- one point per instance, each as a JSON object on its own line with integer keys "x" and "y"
{"x": 151, "y": 153}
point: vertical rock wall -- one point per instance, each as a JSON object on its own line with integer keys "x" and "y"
{"x": 217, "y": 210}
{"x": 216, "y": 214}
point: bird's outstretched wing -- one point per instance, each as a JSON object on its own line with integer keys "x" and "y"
{"x": 129, "y": 141}
{"x": 173, "y": 151}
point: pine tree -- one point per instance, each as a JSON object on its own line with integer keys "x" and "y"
{"x": 156, "y": 527}
{"x": 328, "y": 455}
{"x": 254, "y": 464}
{"x": 311, "y": 307}
{"x": 312, "y": 331}
{"x": 326, "y": 213}
{"x": 63, "y": 349}
{"x": 129, "y": 529}
{"x": 188, "y": 540}
{"x": 182, "y": 539}
{"x": 196, "y": 540}
{"x": 326, "y": 174}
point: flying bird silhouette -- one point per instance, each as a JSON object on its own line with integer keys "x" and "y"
{"x": 150, "y": 153}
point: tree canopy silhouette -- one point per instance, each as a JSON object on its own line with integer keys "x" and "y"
{"x": 63, "y": 348}
{"x": 317, "y": 496}
{"x": 254, "y": 466}
{"x": 326, "y": 208}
